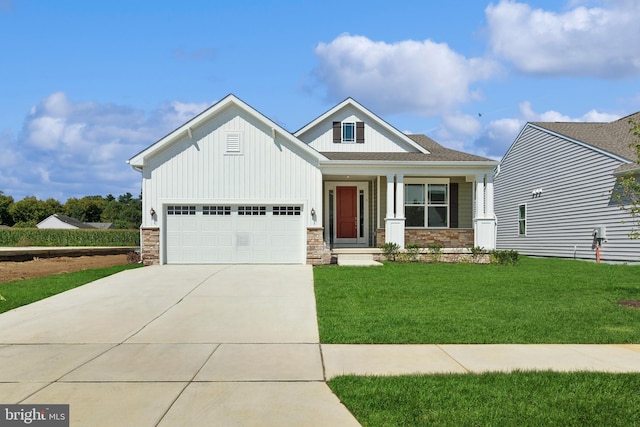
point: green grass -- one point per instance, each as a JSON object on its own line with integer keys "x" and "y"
{"x": 22, "y": 292}
{"x": 493, "y": 399}
{"x": 539, "y": 301}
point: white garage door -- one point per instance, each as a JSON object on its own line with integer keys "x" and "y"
{"x": 219, "y": 234}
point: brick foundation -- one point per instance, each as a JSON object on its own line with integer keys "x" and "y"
{"x": 447, "y": 237}
{"x": 317, "y": 253}
{"x": 150, "y": 245}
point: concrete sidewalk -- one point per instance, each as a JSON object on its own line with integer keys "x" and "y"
{"x": 340, "y": 359}
{"x": 222, "y": 345}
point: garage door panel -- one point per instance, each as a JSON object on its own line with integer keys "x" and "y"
{"x": 235, "y": 234}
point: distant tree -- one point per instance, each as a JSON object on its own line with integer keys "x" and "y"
{"x": 627, "y": 189}
{"x": 5, "y": 204}
{"x": 30, "y": 211}
{"x": 123, "y": 212}
{"x": 87, "y": 209}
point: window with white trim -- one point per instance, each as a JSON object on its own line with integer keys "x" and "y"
{"x": 426, "y": 203}
{"x": 252, "y": 210}
{"x": 181, "y": 210}
{"x": 287, "y": 210}
{"x": 216, "y": 210}
{"x": 348, "y": 132}
{"x": 522, "y": 220}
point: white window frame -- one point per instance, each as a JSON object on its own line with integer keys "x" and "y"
{"x": 348, "y": 141}
{"x": 522, "y": 220}
{"x": 427, "y": 204}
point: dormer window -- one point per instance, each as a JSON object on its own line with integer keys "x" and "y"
{"x": 348, "y": 132}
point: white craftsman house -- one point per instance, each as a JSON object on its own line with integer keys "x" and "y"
{"x": 555, "y": 188}
{"x": 232, "y": 186}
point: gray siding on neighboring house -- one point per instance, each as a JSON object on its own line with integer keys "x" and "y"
{"x": 576, "y": 181}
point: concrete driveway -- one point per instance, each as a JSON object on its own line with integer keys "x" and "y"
{"x": 175, "y": 346}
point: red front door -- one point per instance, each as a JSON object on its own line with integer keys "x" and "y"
{"x": 347, "y": 212}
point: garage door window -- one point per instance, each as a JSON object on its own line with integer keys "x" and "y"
{"x": 252, "y": 210}
{"x": 216, "y": 210}
{"x": 181, "y": 210}
{"x": 287, "y": 210}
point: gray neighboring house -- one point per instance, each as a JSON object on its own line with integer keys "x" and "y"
{"x": 553, "y": 189}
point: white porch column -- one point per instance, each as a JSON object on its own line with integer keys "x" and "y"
{"x": 480, "y": 196}
{"x": 390, "y": 196}
{"x": 485, "y": 221}
{"x": 399, "y": 196}
{"x": 488, "y": 204}
{"x": 394, "y": 222}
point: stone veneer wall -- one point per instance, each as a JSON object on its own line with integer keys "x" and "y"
{"x": 447, "y": 237}
{"x": 317, "y": 253}
{"x": 150, "y": 245}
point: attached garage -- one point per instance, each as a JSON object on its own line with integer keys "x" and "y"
{"x": 234, "y": 234}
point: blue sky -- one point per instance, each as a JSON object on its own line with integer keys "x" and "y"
{"x": 86, "y": 85}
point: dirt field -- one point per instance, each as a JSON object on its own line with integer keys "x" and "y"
{"x": 40, "y": 267}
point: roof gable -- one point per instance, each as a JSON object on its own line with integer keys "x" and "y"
{"x": 209, "y": 114}
{"x": 352, "y": 105}
{"x": 612, "y": 139}
{"x": 66, "y": 220}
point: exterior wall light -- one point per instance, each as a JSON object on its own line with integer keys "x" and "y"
{"x": 152, "y": 212}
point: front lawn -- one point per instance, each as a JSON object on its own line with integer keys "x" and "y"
{"x": 493, "y": 399}
{"x": 21, "y": 292}
{"x": 538, "y": 301}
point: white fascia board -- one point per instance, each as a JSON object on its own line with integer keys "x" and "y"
{"x": 137, "y": 161}
{"x": 349, "y": 167}
{"x": 355, "y": 104}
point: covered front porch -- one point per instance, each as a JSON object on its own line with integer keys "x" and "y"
{"x": 368, "y": 210}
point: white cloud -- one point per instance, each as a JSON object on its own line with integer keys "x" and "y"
{"x": 69, "y": 149}
{"x": 497, "y": 136}
{"x": 420, "y": 77}
{"x": 581, "y": 41}
{"x": 527, "y": 113}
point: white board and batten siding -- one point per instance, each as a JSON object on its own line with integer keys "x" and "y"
{"x": 377, "y": 138}
{"x": 576, "y": 181}
{"x": 208, "y": 170}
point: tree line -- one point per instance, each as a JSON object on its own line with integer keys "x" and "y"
{"x": 125, "y": 211}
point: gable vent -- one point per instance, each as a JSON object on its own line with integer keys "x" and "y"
{"x": 233, "y": 142}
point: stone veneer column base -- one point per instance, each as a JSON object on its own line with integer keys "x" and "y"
{"x": 317, "y": 253}
{"x": 447, "y": 237}
{"x": 150, "y": 245}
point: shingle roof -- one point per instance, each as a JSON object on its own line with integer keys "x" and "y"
{"x": 72, "y": 221}
{"x": 613, "y": 137}
{"x": 438, "y": 153}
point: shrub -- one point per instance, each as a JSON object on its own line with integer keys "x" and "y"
{"x": 436, "y": 251}
{"x": 133, "y": 258}
{"x": 505, "y": 257}
{"x": 413, "y": 251}
{"x": 390, "y": 251}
